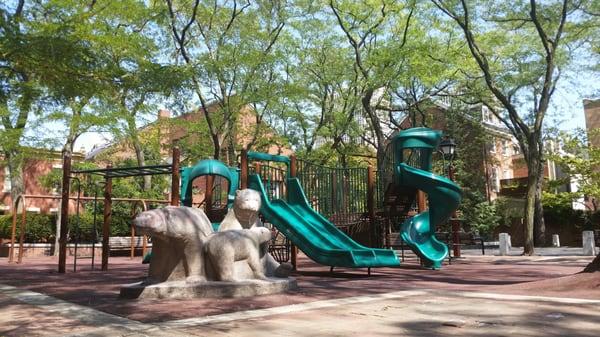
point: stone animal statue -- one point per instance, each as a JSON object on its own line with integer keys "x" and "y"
{"x": 223, "y": 249}
{"x": 244, "y": 215}
{"x": 178, "y": 235}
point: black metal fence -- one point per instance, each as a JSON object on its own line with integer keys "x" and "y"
{"x": 340, "y": 194}
{"x": 273, "y": 177}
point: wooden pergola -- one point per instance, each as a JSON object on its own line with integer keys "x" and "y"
{"x": 109, "y": 173}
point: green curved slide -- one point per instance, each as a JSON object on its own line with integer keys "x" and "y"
{"x": 318, "y": 238}
{"x": 419, "y": 231}
{"x": 444, "y": 196}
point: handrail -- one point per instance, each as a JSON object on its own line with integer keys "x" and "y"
{"x": 269, "y": 157}
{"x": 84, "y": 198}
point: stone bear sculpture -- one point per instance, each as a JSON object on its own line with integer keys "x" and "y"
{"x": 178, "y": 235}
{"x": 244, "y": 215}
{"x": 224, "y": 248}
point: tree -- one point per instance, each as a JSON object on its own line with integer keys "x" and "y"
{"x": 228, "y": 47}
{"x": 41, "y": 63}
{"x": 579, "y": 161}
{"x": 320, "y": 112}
{"x": 376, "y": 35}
{"x": 520, "y": 49}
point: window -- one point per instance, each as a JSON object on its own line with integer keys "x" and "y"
{"x": 7, "y": 184}
{"x": 506, "y": 148}
{"x": 493, "y": 147}
{"x": 488, "y": 115}
{"x": 516, "y": 149}
{"x": 495, "y": 180}
{"x": 485, "y": 114}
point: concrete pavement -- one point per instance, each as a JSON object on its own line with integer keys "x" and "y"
{"x": 400, "y": 313}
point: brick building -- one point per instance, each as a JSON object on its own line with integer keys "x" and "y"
{"x": 591, "y": 109}
{"x": 501, "y": 161}
{"x": 38, "y": 164}
{"x": 169, "y": 130}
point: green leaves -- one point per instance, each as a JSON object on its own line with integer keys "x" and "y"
{"x": 579, "y": 162}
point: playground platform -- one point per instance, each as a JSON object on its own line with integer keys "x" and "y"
{"x": 476, "y": 295}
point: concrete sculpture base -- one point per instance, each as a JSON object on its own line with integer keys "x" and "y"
{"x": 183, "y": 289}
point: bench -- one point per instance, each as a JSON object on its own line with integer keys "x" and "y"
{"x": 124, "y": 242}
{"x": 465, "y": 238}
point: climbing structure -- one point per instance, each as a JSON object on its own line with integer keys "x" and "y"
{"x": 316, "y": 236}
{"x": 412, "y": 151}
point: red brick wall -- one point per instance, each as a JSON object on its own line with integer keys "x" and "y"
{"x": 33, "y": 170}
{"x": 591, "y": 109}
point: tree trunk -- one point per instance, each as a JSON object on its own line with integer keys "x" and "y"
{"x": 538, "y": 223}
{"x": 139, "y": 151}
{"x": 375, "y": 125}
{"x": 141, "y": 161}
{"x": 534, "y": 222}
{"x": 57, "y": 232}
{"x": 67, "y": 150}
{"x": 15, "y": 170}
{"x": 533, "y": 180}
{"x": 594, "y": 266}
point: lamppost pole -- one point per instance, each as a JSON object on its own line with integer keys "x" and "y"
{"x": 448, "y": 147}
{"x": 454, "y": 222}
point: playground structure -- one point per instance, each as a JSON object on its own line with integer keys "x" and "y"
{"x": 416, "y": 146}
{"x": 21, "y": 204}
{"x": 346, "y": 197}
{"x": 108, "y": 173}
{"x": 286, "y": 206}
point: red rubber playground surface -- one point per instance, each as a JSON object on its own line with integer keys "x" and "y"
{"x": 551, "y": 276}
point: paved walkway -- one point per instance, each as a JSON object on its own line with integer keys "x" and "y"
{"x": 406, "y": 313}
{"x": 475, "y": 296}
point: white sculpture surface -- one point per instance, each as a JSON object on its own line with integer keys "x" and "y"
{"x": 185, "y": 247}
{"x": 224, "y": 248}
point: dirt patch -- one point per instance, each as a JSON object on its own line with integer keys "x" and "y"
{"x": 580, "y": 285}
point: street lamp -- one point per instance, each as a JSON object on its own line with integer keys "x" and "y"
{"x": 448, "y": 148}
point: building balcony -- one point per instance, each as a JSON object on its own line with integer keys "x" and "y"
{"x": 515, "y": 187}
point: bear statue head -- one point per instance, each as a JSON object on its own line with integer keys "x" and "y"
{"x": 263, "y": 234}
{"x": 247, "y": 201}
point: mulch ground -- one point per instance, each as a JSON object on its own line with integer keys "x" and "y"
{"x": 531, "y": 276}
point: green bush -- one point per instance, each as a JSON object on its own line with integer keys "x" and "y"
{"x": 485, "y": 218}
{"x": 39, "y": 227}
{"x": 558, "y": 210}
{"x": 120, "y": 225}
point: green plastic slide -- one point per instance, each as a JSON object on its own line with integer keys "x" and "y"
{"x": 419, "y": 231}
{"x": 444, "y": 195}
{"x": 318, "y": 238}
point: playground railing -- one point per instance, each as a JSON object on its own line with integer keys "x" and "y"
{"x": 340, "y": 194}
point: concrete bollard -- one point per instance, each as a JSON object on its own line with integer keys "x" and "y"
{"x": 589, "y": 246}
{"x": 504, "y": 239}
{"x": 555, "y": 240}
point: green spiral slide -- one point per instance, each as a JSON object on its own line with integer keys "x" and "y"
{"x": 444, "y": 195}
{"x": 318, "y": 238}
